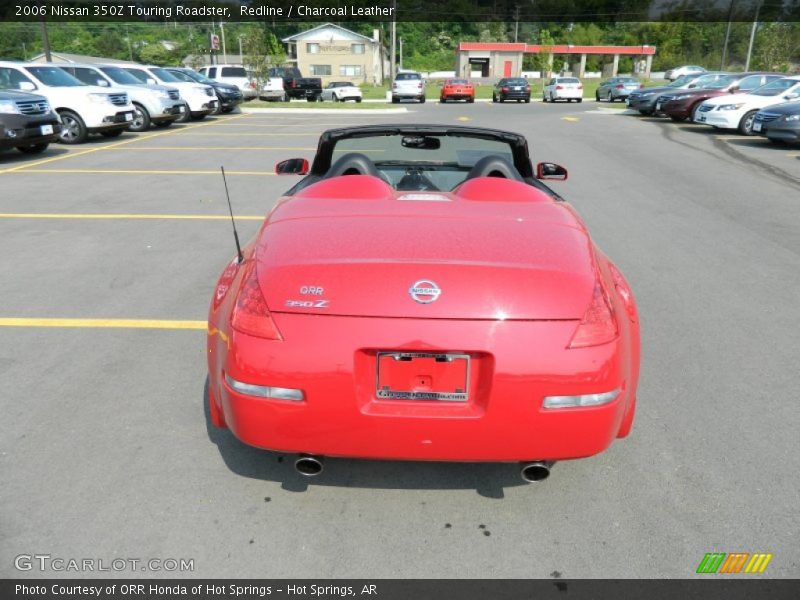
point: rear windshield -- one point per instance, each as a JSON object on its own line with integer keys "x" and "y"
{"x": 568, "y": 80}
{"x": 233, "y": 72}
{"x": 514, "y": 82}
{"x": 457, "y": 82}
{"x": 627, "y": 80}
{"x": 336, "y": 84}
{"x": 54, "y": 76}
{"x": 408, "y": 76}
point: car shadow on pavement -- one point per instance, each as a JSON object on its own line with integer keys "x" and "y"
{"x": 12, "y": 157}
{"x": 487, "y": 479}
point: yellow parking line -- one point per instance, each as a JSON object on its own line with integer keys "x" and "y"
{"x": 179, "y": 148}
{"x": 141, "y": 172}
{"x": 231, "y": 134}
{"x": 104, "y": 216}
{"x": 743, "y": 138}
{"x": 103, "y": 323}
{"x": 793, "y": 154}
{"x": 138, "y": 138}
{"x": 570, "y": 119}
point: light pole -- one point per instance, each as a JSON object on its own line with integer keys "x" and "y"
{"x": 752, "y": 38}
{"x": 401, "y": 54}
{"x": 392, "y": 66}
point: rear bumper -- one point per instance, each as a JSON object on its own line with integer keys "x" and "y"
{"x": 334, "y": 363}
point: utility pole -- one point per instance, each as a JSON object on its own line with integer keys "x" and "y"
{"x": 401, "y": 54}
{"x": 752, "y": 39}
{"x": 128, "y": 39}
{"x": 516, "y": 22}
{"x": 224, "y": 52}
{"x": 392, "y": 66}
{"x": 24, "y": 52}
{"x": 46, "y": 42}
{"x": 727, "y": 37}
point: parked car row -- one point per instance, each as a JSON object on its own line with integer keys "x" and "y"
{"x": 751, "y": 103}
{"x": 43, "y": 103}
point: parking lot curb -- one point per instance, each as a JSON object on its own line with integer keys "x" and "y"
{"x": 324, "y": 111}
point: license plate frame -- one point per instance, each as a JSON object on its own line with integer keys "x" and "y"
{"x": 757, "y": 127}
{"x": 128, "y": 116}
{"x": 46, "y": 129}
{"x": 406, "y": 366}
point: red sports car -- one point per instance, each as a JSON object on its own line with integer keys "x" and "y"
{"x": 457, "y": 89}
{"x": 422, "y": 295}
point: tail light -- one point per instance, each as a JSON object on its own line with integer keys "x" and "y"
{"x": 394, "y": 86}
{"x": 419, "y": 85}
{"x": 505, "y": 89}
{"x": 527, "y": 88}
{"x": 624, "y": 291}
{"x": 580, "y": 87}
{"x": 559, "y": 87}
{"x": 598, "y": 325}
{"x": 641, "y": 86}
{"x": 619, "y": 86}
{"x": 224, "y": 283}
{"x": 294, "y": 83}
{"x": 251, "y": 315}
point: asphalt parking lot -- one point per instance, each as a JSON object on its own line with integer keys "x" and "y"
{"x": 106, "y": 450}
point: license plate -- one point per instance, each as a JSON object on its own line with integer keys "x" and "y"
{"x": 181, "y": 109}
{"x": 129, "y": 116}
{"x": 517, "y": 87}
{"x": 422, "y": 376}
{"x": 46, "y": 129}
{"x": 658, "y": 106}
{"x": 756, "y": 126}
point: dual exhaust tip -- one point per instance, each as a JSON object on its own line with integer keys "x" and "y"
{"x": 309, "y": 465}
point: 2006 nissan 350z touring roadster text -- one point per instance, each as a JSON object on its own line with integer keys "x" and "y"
{"x": 421, "y": 295}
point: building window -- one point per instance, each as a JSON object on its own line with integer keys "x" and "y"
{"x": 350, "y": 70}
{"x": 312, "y": 48}
{"x": 358, "y": 48}
{"x": 320, "y": 70}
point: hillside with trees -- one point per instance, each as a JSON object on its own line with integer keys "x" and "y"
{"x": 426, "y": 46}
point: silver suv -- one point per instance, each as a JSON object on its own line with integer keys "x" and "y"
{"x": 409, "y": 86}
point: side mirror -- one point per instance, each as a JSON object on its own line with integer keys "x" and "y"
{"x": 102, "y": 83}
{"x": 552, "y": 171}
{"x": 292, "y": 166}
{"x": 151, "y": 81}
{"x": 691, "y": 85}
{"x": 734, "y": 89}
{"x": 792, "y": 96}
{"x": 26, "y": 86}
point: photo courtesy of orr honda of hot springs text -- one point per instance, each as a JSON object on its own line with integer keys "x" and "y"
{"x": 421, "y": 294}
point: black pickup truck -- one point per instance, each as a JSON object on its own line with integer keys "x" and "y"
{"x": 297, "y": 86}
{"x": 27, "y": 122}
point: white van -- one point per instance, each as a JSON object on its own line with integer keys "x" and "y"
{"x": 83, "y": 109}
{"x": 233, "y": 74}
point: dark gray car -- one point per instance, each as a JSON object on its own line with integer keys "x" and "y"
{"x": 27, "y": 122}
{"x": 780, "y": 123}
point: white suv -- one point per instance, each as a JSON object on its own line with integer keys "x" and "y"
{"x": 738, "y": 111}
{"x": 156, "y": 104}
{"x": 83, "y": 109}
{"x": 408, "y": 85}
{"x": 201, "y": 99}
{"x": 235, "y": 75}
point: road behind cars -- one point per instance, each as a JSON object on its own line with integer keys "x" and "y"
{"x": 107, "y": 451}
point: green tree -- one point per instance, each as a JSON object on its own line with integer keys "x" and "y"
{"x": 773, "y": 47}
{"x": 156, "y": 54}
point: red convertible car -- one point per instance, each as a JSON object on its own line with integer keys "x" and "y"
{"x": 421, "y": 295}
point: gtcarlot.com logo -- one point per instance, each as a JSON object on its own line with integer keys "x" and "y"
{"x": 734, "y": 562}
{"x": 47, "y": 562}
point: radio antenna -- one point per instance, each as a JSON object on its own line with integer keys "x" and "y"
{"x": 230, "y": 210}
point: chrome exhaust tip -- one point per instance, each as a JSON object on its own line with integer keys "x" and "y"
{"x": 308, "y": 465}
{"x": 537, "y": 470}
